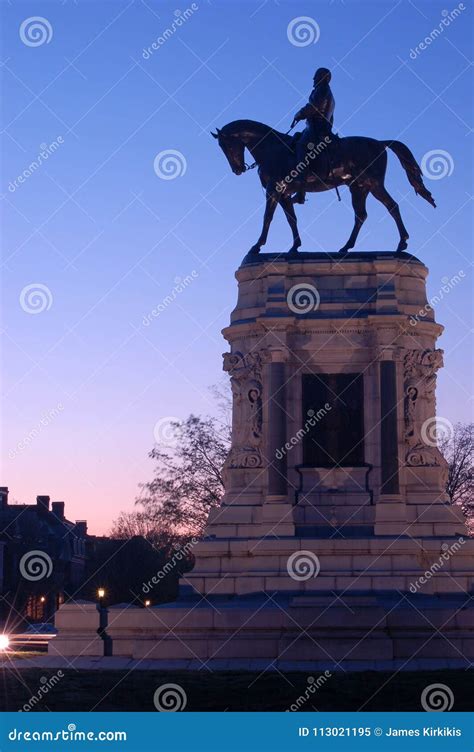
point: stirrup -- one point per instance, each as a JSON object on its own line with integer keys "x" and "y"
{"x": 299, "y": 198}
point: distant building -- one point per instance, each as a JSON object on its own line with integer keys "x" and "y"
{"x": 42, "y": 558}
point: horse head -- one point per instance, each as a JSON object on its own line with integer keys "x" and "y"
{"x": 233, "y": 148}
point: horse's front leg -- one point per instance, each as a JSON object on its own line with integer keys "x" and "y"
{"x": 270, "y": 206}
{"x": 286, "y": 204}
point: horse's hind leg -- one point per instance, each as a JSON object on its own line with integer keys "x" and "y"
{"x": 381, "y": 193}
{"x": 359, "y": 198}
{"x": 287, "y": 205}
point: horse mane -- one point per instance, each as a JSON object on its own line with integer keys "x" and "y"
{"x": 238, "y": 126}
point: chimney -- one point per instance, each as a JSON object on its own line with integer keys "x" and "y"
{"x": 43, "y": 501}
{"x": 81, "y": 528}
{"x": 58, "y": 509}
{"x": 3, "y": 497}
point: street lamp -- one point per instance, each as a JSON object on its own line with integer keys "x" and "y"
{"x": 101, "y": 596}
{"x": 4, "y": 642}
{"x": 42, "y": 599}
{"x": 147, "y": 603}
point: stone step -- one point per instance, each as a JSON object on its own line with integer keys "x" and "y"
{"x": 276, "y": 631}
{"x": 243, "y": 583}
{"x": 371, "y": 546}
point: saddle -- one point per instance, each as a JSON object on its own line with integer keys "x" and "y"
{"x": 320, "y": 166}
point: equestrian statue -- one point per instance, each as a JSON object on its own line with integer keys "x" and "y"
{"x": 317, "y": 160}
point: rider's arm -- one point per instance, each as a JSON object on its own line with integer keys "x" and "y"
{"x": 309, "y": 110}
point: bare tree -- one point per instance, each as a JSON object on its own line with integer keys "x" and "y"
{"x": 187, "y": 483}
{"x": 136, "y": 523}
{"x": 458, "y": 449}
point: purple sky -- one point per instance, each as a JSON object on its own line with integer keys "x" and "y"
{"x": 104, "y": 238}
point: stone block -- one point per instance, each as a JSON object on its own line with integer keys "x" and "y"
{"x": 452, "y": 584}
{"x": 67, "y": 645}
{"x": 247, "y": 585}
{"x": 394, "y": 512}
{"x": 77, "y": 625}
{"x": 451, "y": 529}
{"x": 369, "y": 564}
{"x": 171, "y": 648}
{"x": 354, "y": 583}
{"x": 239, "y": 647}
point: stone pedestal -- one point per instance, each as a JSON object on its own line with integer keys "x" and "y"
{"x": 335, "y": 540}
{"x": 77, "y": 624}
{"x": 351, "y": 322}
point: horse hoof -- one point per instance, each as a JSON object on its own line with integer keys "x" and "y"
{"x": 343, "y": 252}
{"x": 294, "y": 250}
{"x": 402, "y": 246}
{"x": 254, "y": 250}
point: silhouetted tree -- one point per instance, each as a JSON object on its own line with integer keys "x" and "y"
{"x": 138, "y": 523}
{"x": 187, "y": 483}
{"x": 458, "y": 449}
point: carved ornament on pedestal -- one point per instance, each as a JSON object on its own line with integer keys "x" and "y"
{"x": 246, "y": 382}
{"x": 420, "y": 367}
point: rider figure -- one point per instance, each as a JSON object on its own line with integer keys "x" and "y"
{"x": 319, "y": 114}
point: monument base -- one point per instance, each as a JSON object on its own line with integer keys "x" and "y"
{"x": 387, "y": 631}
{"x": 382, "y": 603}
{"x": 335, "y": 544}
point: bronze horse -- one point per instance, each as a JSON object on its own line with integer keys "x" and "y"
{"x": 355, "y": 161}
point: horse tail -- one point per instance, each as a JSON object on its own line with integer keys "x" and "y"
{"x": 412, "y": 169}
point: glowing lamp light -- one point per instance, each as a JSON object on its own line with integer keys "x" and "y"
{"x": 42, "y": 599}
{"x": 101, "y": 593}
{"x": 4, "y": 642}
{"x": 147, "y": 603}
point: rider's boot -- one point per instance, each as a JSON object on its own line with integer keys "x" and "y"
{"x": 300, "y": 197}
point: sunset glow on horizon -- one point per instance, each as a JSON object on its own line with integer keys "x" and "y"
{"x": 119, "y": 257}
